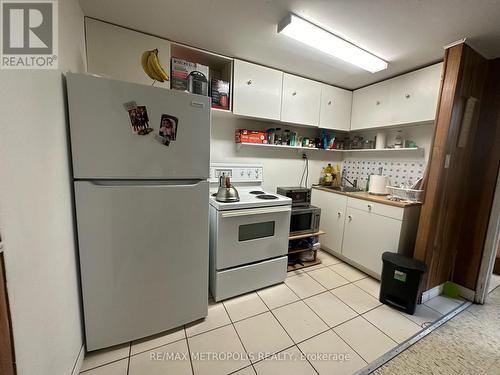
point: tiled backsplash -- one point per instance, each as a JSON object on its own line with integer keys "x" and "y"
{"x": 398, "y": 171}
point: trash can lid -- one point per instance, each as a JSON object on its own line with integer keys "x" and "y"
{"x": 404, "y": 261}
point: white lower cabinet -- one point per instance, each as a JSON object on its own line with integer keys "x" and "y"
{"x": 333, "y": 209}
{"x": 359, "y": 231}
{"x": 367, "y": 236}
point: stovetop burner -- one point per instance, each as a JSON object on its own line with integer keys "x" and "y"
{"x": 257, "y": 192}
{"x": 267, "y": 196}
{"x": 214, "y": 194}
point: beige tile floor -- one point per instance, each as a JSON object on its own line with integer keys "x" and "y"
{"x": 323, "y": 320}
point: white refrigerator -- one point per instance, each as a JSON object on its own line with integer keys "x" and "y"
{"x": 140, "y": 158}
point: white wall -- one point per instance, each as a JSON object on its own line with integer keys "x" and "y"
{"x": 36, "y": 211}
{"x": 282, "y": 167}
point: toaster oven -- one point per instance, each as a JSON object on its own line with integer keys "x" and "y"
{"x": 301, "y": 197}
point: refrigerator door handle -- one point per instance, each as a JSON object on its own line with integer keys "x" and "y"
{"x": 115, "y": 183}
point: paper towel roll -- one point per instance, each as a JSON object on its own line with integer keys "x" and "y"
{"x": 381, "y": 140}
{"x": 378, "y": 185}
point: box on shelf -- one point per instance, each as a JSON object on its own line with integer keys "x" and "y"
{"x": 219, "y": 91}
{"x": 250, "y": 136}
{"x": 189, "y": 76}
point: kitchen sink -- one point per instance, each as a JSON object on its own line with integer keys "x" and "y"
{"x": 344, "y": 189}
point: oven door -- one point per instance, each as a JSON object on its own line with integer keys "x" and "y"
{"x": 250, "y": 235}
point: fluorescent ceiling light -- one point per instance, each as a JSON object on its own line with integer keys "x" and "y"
{"x": 316, "y": 37}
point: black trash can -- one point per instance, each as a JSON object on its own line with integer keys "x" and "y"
{"x": 400, "y": 283}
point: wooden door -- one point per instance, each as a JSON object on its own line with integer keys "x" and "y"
{"x": 463, "y": 168}
{"x": 6, "y": 345}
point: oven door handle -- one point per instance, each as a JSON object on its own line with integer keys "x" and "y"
{"x": 256, "y": 211}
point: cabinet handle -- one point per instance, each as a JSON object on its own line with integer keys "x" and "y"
{"x": 350, "y": 217}
{"x": 249, "y": 82}
{"x": 339, "y": 214}
{"x": 329, "y": 102}
{"x": 294, "y": 93}
{"x": 377, "y": 102}
{"x": 407, "y": 96}
{"x": 369, "y": 206}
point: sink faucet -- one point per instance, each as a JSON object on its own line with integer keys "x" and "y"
{"x": 354, "y": 183}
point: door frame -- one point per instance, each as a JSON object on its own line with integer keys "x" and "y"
{"x": 490, "y": 248}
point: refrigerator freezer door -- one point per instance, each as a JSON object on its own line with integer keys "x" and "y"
{"x": 103, "y": 141}
{"x": 143, "y": 257}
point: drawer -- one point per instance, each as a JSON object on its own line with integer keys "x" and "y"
{"x": 376, "y": 208}
{"x": 239, "y": 280}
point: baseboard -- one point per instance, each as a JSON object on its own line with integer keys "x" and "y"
{"x": 79, "y": 361}
{"x": 431, "y": 293}
{"x": 496, "y": 267}
{"x": 466, "y": 293}
{"x": 463, "y": 292}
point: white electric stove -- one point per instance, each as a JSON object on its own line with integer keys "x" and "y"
{"x": 248, "y": 238}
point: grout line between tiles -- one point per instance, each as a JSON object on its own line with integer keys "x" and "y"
{"x": 189, "y": 349}
{"x": 102, "y": 365}
{"x": 307, "y": 359}
{"x": 208, "y": 330}
{"x": 430, "y": 307}
{"x": 390, "y": 338}
{"x": 237, "y": 334}
{"x": 128, "y": 359}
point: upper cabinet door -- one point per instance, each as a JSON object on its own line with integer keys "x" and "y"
{"x": 335, "y": 109}
{"x": 414, "y": 96}
{"x": 257, "y": 91}
{"x": 115, "y": 52}
{"x": 301, "y": 100}
{"x": 371, "y": 106}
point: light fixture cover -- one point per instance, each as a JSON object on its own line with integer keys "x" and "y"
{"x": 316, "y": 37}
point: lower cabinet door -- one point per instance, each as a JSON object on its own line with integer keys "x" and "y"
{"x": 367, "y": 236}
{"x": 333, "y": 208}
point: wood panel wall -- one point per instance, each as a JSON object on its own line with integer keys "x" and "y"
{"x": 6, "y": 347}
{"x": 480, "y": 183}
{"x": 451, "y": 160}
{"x": 496, "y": 269}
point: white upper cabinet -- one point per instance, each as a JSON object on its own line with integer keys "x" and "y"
{"x": 414, "y": 96}
{"x": 410, "y": 98}
{"x": 335, "y": 108}
{"x": 371, "y": 106}
{"x": 115, "y": 52}
{"x": 257, "y": 91}
{"x": 300, "y": 101}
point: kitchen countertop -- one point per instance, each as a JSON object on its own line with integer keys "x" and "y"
{"x": 370, "y": 197}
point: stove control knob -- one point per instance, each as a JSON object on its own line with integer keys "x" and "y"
{"x": 249, "y": 173}
{"x": 242, "y": 173}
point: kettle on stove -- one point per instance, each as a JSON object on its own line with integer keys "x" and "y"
{"x": 226, "y": 192}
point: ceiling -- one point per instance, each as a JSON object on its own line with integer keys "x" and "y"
{"x": 407, "y": 33}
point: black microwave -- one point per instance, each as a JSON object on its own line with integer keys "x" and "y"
{"x": 305, "y": 220}
{"x": 301, "y": 197}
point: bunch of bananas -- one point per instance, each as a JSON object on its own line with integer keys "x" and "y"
{"x": 152, "y": 66}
